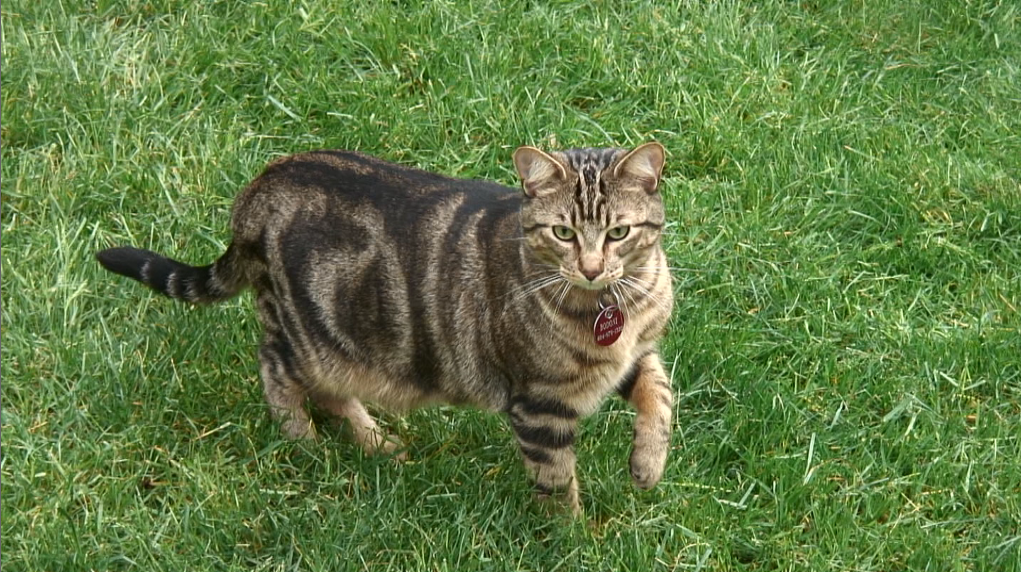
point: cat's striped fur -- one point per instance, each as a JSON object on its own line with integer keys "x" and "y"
{"x": 386, "y": 284}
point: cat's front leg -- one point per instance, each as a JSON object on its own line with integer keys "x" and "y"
{"x": 545, "y": 430}
{"x": 648, "y": 390}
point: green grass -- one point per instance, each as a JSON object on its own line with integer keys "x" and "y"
{"x": 844, "y": 186}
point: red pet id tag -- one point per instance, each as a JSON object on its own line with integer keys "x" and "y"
{"x": 609, "y": 324}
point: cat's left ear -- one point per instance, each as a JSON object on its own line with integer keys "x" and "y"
{"x": 644, "y": 164}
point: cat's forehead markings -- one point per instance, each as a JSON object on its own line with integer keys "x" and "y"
{"x": 590, "y": 163}
{"x": 589, "y": 198}
{"x": 596, "y": 157}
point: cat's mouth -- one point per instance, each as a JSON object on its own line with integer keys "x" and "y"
{"x": 600, "y": 282}
{"x": 593, "y": 285}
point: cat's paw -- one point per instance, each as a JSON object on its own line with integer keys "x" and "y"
{"x": 298, "y": 429}
{"x": 567, "y": 502}
{"x": 392, "y": 446}
{"x": 647, "y": 463}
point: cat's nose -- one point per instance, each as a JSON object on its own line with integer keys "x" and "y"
{"x": 591, "y": 273}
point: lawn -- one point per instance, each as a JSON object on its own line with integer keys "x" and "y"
{"x": 844, "y": 195}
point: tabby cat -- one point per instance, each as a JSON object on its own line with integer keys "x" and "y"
{"x": 386, "y": 284}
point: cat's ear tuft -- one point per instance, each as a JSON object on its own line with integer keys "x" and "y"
{"x": 644, "y": 164}
{"x": 539, "y": 172}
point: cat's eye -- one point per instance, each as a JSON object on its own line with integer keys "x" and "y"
{"x": 563, "y": 232}
{"x": 618, "y": 232}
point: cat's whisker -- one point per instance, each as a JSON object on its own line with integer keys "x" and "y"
{"x": 536, "y": 285}
{"x": 627, "y": 281}
{"x": 636, "y": 284}
{"x": 558, "y": 296}
{"x": 563, "y": 295}
{"x": 525, "y": 294}
{"x": 541, "y": 283}
{"x": 612, "y": 287}
{"x": 658, "y": 301}
{"x": 626, "y": 293}
{"x": 648, "y": 283}
{"x": 619, "y": 293}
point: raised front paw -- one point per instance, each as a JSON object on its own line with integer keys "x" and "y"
{"x": 647, "y": 462}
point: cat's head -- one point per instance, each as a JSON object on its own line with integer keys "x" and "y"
{"x": 593, "y": 213}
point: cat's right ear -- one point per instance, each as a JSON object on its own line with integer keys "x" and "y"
{"x": 539, "y": 172}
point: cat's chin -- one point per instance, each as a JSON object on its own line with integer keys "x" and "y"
{"x": 592, "y": 286}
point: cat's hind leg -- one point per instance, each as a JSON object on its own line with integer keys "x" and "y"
{"x": 282, "y": 385}
{"x": 372, "y": 439}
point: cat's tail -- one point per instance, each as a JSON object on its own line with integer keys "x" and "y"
{"x": 198, "y": 284}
